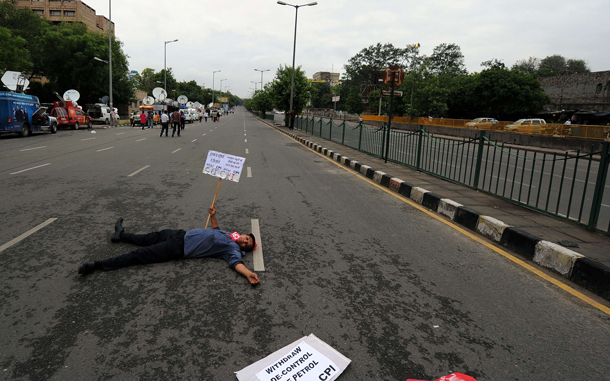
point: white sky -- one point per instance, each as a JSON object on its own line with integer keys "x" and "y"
{"x": 238, "y": 36}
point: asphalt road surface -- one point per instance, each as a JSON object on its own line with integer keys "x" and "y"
{"x": 399, "y": 292}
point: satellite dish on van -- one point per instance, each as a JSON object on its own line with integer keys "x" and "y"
{"x": 105, "y": 99}
{"x": 197, "y": 104}
{"x": 159, "y": 93}
{"x": 175, "y": 104}
{"x": 15, "y": 81}
{"x": 189, "y": 104}
{"x": 148, "y": 101}
{"x": 71, "y": 95}
{"x": 183, "y": 99}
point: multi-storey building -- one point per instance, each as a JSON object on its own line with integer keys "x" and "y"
{"x": 59, "y": 11}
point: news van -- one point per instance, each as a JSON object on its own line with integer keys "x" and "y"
{"x": 16, "y": 114}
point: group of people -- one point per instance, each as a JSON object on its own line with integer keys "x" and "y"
{"x": 178, "y": 120}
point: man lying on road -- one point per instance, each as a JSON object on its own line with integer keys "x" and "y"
{"x": 167, "y": 245}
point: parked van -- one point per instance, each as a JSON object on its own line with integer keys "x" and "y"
{"x": 16, "y": 114}
{"x": 99, "y": 112}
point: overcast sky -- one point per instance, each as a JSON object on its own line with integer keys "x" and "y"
{"x": 238, "y": 36}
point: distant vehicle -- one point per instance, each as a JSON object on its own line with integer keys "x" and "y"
{"x": 481, "y": 123}
{"x": 44, "y": 120}
{"x": 69, "y": 115}
{"x": 533, "y": 126}
{"x": 99, "y": 113}
{"x": 17, "y": 114}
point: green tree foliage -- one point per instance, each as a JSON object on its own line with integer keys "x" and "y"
{"x": 262, "y": 102}
{"x": 353, "y": 104}
{"x": 13, "y": 55}
{"x": 280, "y": 89}
{"x": 322, "y": 97}
{"x": 529, "y": 66}
{"x": 64, "y": 55}
{"x": 447, "y": 59}
{"x": 559, "y": 65}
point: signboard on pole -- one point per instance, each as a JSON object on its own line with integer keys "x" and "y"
{"x": 307, "y": 359}
{"x": 223, "y": 166}
{"x": 396, "y": 72}
{"x": 223, "y": 99}
{"x": 336, "y": 98}
{"x": 387, "y": 93}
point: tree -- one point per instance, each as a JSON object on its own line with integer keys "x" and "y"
{"x": 353, "y": 104}
{"x": 279, "y": 90}
{"x": 447, "y": 59}
{"x": 529, "y": 66}
{"x": 552, "y": 65}
{"x": 574, "y": 66}
{"x": 322, "y": 97}
{"x": 13, "y": 55}
{"x": 262, "y": 102}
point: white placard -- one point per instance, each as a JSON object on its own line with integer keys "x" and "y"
{"x": 301, "y": 362}
{"x": 307, "y": 359}
{"x": 224, "y": 166}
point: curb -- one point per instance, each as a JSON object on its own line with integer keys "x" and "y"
{"x": 589, "y": 274}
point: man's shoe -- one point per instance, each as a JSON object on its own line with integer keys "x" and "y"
{"x": 86, "y": 268}
{"x": 118, "y": 230}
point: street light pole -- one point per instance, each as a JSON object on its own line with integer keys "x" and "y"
{"x": 294, "y": 48}
{"x": 165, "y": 63}
{"x": 221, "y": 85}
{"x": 254, "y": 85}
{"x": 213, "y": 73}
{"x": 262, "y": 71}
{"x": 110, "y": 48}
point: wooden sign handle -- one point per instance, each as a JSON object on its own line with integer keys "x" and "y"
{"x": 213, "y": 202}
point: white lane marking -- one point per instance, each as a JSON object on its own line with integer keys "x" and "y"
{"x": 244, "y": 134}
{"x": 30, "y": 149}
{"x": 29, "y": 169}
{"x": 203, "y": 135}
{"x": 104, "y": 149}
{"x": 211, "y": 130}
{"x": 257, "y": 254}
{"x": 193, "y": 141}
{"x": 177, "y": 150}
{"x": 249, "y": 172}
{"x": 26, "y": 234}
{"x": 138, "y": 171}
{"x": 139, "y": 140}
{"x": 120, "y": 133}
{"x": 82, "y": 140}
{"x": 246, "y": 140}
{"x": 247, "y": 152}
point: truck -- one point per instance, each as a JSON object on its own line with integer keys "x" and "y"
{"x": 17, "y": 112}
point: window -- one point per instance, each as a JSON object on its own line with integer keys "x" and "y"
{"x": 55, "y": 13}
{"x": 70, "y": 13}
{"x": 38, "y": 11}
{"x": 598, "y": 89}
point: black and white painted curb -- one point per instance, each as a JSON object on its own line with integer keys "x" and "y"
{"x": 583, "y": 271}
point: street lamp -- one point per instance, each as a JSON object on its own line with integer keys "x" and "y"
{"x": 296, "y": 13}
{"x": 262, "y": 75}
{"x": 165, "y": 63}
{"x": 213, "y": 73}
{"x": 221, "y": 85}
{"x": 106, "y": 62}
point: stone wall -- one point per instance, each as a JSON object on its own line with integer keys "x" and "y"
{"x": 589, "y": 91}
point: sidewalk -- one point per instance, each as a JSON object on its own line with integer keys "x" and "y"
{"x": 528, "y": 233}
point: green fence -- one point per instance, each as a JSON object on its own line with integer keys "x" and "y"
{"x": 569, "y": 186}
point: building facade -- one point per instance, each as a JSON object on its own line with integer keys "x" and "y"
{"x": 58, "y": 11}
{"x": 586, "y": 92}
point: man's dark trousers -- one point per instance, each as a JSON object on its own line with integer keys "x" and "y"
{"x": 157, "y": 247}
{"x": 164, "y": 127}
{"x": 175, "y": 125}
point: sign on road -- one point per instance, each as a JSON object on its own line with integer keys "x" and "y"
{"x": 387, "y": 93}
{"x": 223, "y": 166}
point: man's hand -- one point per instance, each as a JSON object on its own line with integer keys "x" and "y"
{"x": 243, "y": 270}
{"x": 212, "y": 210}
{"x": 253, "y": 279}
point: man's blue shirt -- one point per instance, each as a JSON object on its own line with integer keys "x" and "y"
{"x": 212, "y": 243}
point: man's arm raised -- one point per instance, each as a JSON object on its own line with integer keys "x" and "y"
{"x": 243, "y": 270}
{"x": 212, "y": 213}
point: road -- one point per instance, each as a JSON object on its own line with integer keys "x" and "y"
{"x": 522, "y": 175}
{"x": 399, "y": 292}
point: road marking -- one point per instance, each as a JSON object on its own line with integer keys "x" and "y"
{"x": 177, "y": 150}
{"x": 139, "y": 140}
{"x": 244, "y": 134}
{"x": 249, "y": 172}
{"x": 29, "y": 169}
{"x": 120, "y": 133}
{"x": 104, "y": 149}
{"x": 203, "y": 135}
{"x": 480, "y": 240}
{"x": 247, "y": 151}
{"x": 257, "y": 254}
{"x": 29, "y": 149}
{"x": 138, "y": 171}
{"x": 82, "y": 140}
{"x": 246, "y": 140}
{"x": 26, "y": 234}
{"x": 193, "y": 141}
{"x": 211, "y": 130}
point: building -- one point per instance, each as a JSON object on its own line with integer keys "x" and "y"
{"x": 326, "y": 76}
{"x": 58, "y": 11}
{"x": 586, "y": 92}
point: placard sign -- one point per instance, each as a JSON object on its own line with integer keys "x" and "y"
{"x": 307, "y": 359}
{"x": 223, "y": 166}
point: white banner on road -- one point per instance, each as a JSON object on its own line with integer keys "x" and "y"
{"x": 307, "y": 359}
{"x": 223, "y": 166}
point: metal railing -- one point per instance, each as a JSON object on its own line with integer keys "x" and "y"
{"x": 563, "y": 185}
{"x": 572, "y": 130}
